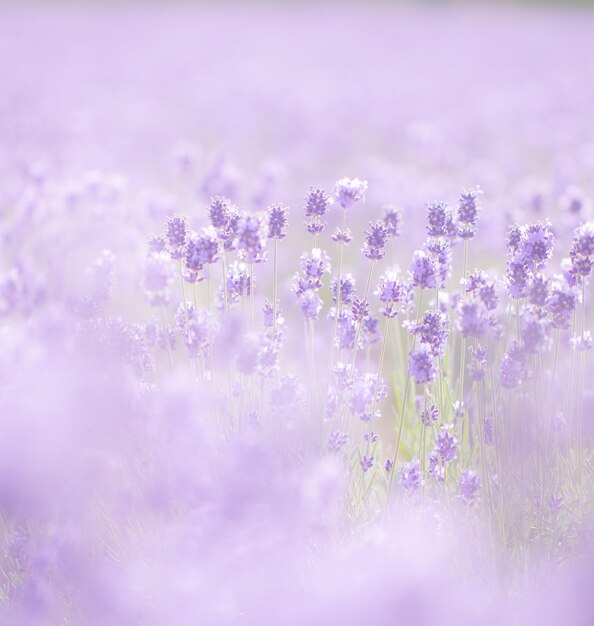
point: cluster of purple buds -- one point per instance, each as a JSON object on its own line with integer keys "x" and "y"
{"x": 411, "y": 476}
{"x": 277, "y": 221}
{"x": 313, "y": 268}
{"x": 365, "y": 392}
{"x": 376, "y": 238}
{"x": 446, "y": 445}
{"x": 430, "y": 416}
{"x": 469, "y": 487}
{"x": 156, "y": 243}
{"x": 424, "y": 270}
{"x": 421, "y": 365}
{"x": 307, "y": 284}
{"x": 366, "y": 463}
{"x": 512, "y": 370}
{"x": 197, "y": 326}
{"x": 478, "y": 362}
{"x": 268, "y": 311}
{"x": 219, "y": 213}
{"x": 561, "y": 302}
{"x": 202, "y": 249}
{"x": 349, "y": 191}
{"x": 393, "y": 220}
{"x": 251, "y": 238}
{"x": 433, "y": 330}
{"x": 177, "y": 231}
{"x": 581, "y": 251}
{"x": 317, "y": 203}
{"x": 393, "y": 292}
{"x": 370, "y": 329}
{"x": 346, "y": 330}
{"x": 468, "y": 212}
{"x": 439, "y": 219}
{"x": 538, "y": 290}
{"x": 440, "y": 250}
{"x": 347, "y": 288}
{"x": 473, "y": 318}
{"x": 534, "y": 331}
{"x": 359, "y": 309}
{"x": 478, "y": 284}
{"x": 337, "y": 441}
{"x": 529, "y": 248}
{"x": 445, "y": 450}
{"x": 238, "y": 282}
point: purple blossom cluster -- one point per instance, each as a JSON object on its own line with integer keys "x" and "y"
{"x": 227, "y": 404}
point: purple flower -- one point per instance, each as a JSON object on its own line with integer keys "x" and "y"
{"x": 337, "y": 441}
{"x": 535, "y": 247}
{"x": 394, "y": 292}
{"x": 350, "y": 191}
{"x": 436, "y": 467}
{"x": 366, "y": 391}
{"x": 360, "y": 309}
{"x": 538, "y": 292}
{"x": 370, "y": 329}
{"x": 317, "y": 203}
{"x": 478, "y": 362}
{"x": 314, "y": 266}
{"x": 468, "y": 211}
{"x": 473, "y": 320}
{"x": 561, "y": 302}
{"x": 310, "y": 304}
{"x": 430, "y": 417}
{"x": 469, "y": 486}
{"x": 583, "y": 240}
{"x": 512, "y": 368}
{"x": 197, "y": 327}
{"x": 346, "y": 331}
{"x": 156, "y": 243}
{"x": 229, "y": 235}
{"x": 433, "y": 329}
{"x": 347, "y": 289}
{"x": 277, "y": 221}
{"x": 423, "y": 270}
{"x": 268, "y": 311}
{"x": 389, "y": 465}
{"x": 513, "y": 239}
{"x": 518, "y": 277}
{"x": 393, "y": 220}
{"x": 251, "y": 238}
{"x": 438, "y": 218}
{"x": 441, "y": 251}
{"x": 342, "y": 237}
{"x": 219, "y": 213}
{"x": 375, "y": 242}
{"x": 446, "y": 445}
{"x": 421, "y": 365}
{"x": 366, "y": 463}
{"x": 411, "y": 477}
{"x": 177, "y": 228}
{"x": 534, "y": 332}
{"x": 238, "y": 281}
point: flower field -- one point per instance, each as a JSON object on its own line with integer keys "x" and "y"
{"x": 295, "y": 315}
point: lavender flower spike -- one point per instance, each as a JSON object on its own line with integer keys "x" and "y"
{"x": 349, "y": 191}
